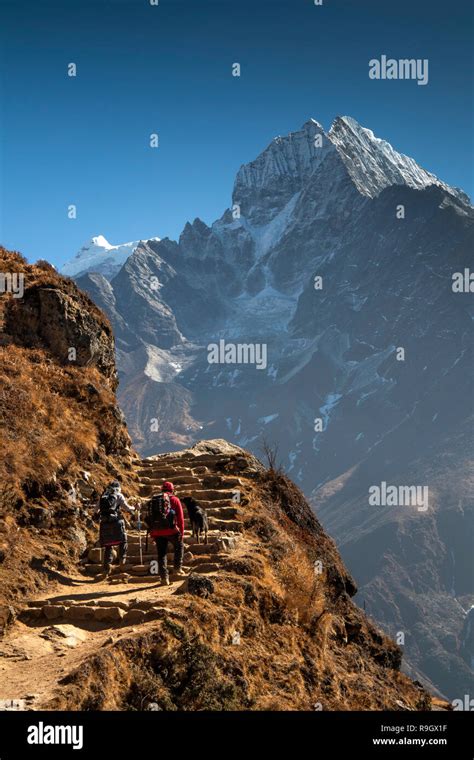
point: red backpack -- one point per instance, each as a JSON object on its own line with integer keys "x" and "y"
{"x": 160, "y": 514}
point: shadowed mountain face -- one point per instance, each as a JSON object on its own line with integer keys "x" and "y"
{"x": 334, "y": 268}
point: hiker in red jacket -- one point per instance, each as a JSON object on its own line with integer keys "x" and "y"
{"x": 166, "y": 524}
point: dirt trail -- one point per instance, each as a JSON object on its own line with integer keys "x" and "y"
{"x": 58, "y": 630}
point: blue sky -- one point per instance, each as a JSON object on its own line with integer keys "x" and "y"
{"x": 167, "y": 69}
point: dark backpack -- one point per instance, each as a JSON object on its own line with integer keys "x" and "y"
{"x": 160, "y": 514}
{"x": 108, "y": 507}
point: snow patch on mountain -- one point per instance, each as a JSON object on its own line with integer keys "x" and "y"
{"x": 268, "y": 418}
{"x": 266, "y": 236}
{"x": 266, "y": 313}
{"x": 163, "y": 366}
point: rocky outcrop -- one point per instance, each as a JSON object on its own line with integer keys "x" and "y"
{"x": 63, "y": 434}
{"x": 48, "y": 317}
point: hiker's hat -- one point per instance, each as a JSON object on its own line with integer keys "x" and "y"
{"x": 167, "y": 486}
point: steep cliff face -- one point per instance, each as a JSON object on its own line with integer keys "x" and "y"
{"x": 414, "y": 566}
{"x": 63, "y": 435}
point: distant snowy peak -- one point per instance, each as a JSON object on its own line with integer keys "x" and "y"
{"x": 373, "y": 164}
{"x": 98, "y": 255}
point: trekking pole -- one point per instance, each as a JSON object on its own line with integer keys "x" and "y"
{"x": 139, "y": 521}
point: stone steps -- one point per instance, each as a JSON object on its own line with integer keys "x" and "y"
{"x": 165, "y": 474}
{"x": 147, "y": 491}
{"x": 133, "y": 557}
{"x": 195, "y": 554}
{"x": 218, "y": 481}
{"x": 233, "y": 526}
{"x": 128, "y": 569}
{"x": 133, "y": 579}
{"x": 209, "y": 567}
{"x": 171, "y": 468}
{"x": 201, "y": 494}
{"x": 134, "y": 544}
{"x": 192, "y": 546}
{"x": 192, "y": 556}
{"x": 182, "y": 480}
{"x": 189, "y": 460}
{"x": 133, "y": 538}
{"x": 218, "y": 493}
{"x": 215, "y": 523}
{"x": 224, "y": 513}
{"x": 134, "y": 548}
{"x": 215, "y": 504}
{"x": 103, "y": 612}
{"x": 207, "y": 479}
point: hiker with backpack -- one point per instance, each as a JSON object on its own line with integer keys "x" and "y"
{"x": 112, "y": 531}
{"x": 165, "y": 523}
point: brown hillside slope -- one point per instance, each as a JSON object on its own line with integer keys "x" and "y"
{"x": 258, "y": 624}
{"x": 63, "y": 435}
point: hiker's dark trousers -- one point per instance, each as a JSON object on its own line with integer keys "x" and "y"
{"x": 122, "y": 553}
{"x": 162, "y": 549}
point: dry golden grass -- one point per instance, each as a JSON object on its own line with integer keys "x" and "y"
{"x": 52, "y": 425}
{"x": 57, "y": 420}
{"x": 45, "y": 432}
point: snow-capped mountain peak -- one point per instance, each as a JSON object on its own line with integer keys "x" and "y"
{"x": 98, "y": 255}
{"x": 264, "y": 186}
{"x": 99, "y": 241}
{"x": 374, "y": 164}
